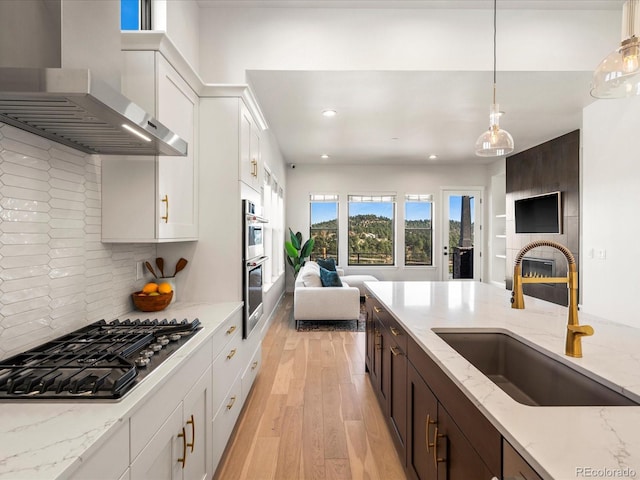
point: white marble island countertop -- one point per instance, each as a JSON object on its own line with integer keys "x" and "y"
{"x": 50, "y": 439}
{"x": 561, "y": 443}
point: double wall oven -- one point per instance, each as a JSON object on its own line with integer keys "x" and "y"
{"x": 253, "y": 259}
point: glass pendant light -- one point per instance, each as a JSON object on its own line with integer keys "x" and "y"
{"x": 494, "y": 142}
{"x": 618, "y": 75}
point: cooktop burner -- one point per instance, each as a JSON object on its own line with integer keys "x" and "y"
{"x": 104, "y": 360}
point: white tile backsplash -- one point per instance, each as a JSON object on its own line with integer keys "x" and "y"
{"x": 55, "y": 273}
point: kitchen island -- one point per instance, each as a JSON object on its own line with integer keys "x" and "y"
{"x": 560, "y": 443}
{"x": 110, "y": 439}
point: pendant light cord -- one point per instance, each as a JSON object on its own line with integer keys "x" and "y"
{"x": 494, "y": 49}
{"x": 631, "y": 16}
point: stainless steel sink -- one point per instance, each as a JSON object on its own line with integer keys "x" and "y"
{"x": 527, "y": 375}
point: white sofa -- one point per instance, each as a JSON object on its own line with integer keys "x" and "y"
{"x": 312, "y": 301}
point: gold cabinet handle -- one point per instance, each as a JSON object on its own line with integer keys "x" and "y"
{"x": 232, "y": 329}
{"x": 231, "y": 354}
{"x": 254, "y": 167}
{"x": 230, "y": 404}
{"x": 366, "y": 295}
{"x": 377, "y": 335}
{"x": 395, "y": 351}
{"x": 426, "y": 435}
{"x": 395, "y": 332}
{"x": 183, "y": 460}
{"x": 436, "y": 459}
{"x": 193, "y": 433}
{"x": 254, "y": 365}
{"x": 378, "y": 310}
{"x": 166, "y": 216}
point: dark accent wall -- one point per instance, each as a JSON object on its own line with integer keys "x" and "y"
{"x": 549, "y": 167}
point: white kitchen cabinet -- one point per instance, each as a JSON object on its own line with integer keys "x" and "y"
{"x": 251, "y": 167}
{"x": 179, "y": 449}
{"x": 154, "y": 198}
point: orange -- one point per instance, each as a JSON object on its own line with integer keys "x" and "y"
{"x": 150, "y": 288}
{"x": 164, "y": 288}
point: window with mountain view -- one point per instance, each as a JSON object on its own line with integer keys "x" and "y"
{"x": 418, "y": 233}
{"x": 371, "y": 234}
{"x": 324, "y": 226}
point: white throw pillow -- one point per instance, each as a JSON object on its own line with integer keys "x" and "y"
{"x": 311, "y": 275}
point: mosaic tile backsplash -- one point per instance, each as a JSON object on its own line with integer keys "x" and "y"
{"x": 55, "y": 273}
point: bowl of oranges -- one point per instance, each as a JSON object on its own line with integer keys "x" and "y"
{"x": 153, "y": 297}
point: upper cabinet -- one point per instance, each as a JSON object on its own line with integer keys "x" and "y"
{"x": 154, "y": 199}
{"x": 251, "y": 168}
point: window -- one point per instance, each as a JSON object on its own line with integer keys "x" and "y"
{"x": 324, "y": 226}
{"x": 371, "y": 232}
{"x": 418, "y": 230}
{"x": 135, "y": 14}
{"x": 273, "y": 210}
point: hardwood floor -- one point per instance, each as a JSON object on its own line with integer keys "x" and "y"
{"x": 312, "y": 413}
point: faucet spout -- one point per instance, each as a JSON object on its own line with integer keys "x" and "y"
{"x": 575, "y": 331}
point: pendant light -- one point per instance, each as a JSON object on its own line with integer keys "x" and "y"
{"x": 494, "y": 142}
{"x": 618, "y": 75}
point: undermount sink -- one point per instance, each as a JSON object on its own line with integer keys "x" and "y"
{"x": 527, "y": 375}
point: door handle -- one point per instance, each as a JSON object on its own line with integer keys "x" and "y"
{"x": 183, "y": 460}
{"x": 192, "y": 422}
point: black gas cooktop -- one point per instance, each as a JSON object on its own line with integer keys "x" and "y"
{"x": 104, "y": 360}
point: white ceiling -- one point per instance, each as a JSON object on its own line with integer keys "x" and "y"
{"x": 401, "y": 117}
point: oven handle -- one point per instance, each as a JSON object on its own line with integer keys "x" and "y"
{"x": 256, "y": 262}
{"x": 251, "y": 218}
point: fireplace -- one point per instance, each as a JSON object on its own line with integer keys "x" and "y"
{"x": 538, "y": 267}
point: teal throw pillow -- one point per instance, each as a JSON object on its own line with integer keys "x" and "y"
{"x": 329, "y": 278}
{"x": 328, "y": 263}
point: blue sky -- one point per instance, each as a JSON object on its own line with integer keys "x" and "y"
{"x": 321, "y": 212}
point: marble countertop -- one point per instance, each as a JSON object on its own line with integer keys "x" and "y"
{"x": 46, "y": 440}
{"x": 561, "y": 443}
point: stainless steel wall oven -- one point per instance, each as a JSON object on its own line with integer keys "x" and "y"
{"x": 253, "y": 265}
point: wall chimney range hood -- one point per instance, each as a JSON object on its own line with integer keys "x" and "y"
{"x": 71, "y": 107}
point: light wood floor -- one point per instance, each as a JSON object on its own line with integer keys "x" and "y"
{"x": 312, "y": 413}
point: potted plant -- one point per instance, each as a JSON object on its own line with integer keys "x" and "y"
{"x": 297, "y": 252}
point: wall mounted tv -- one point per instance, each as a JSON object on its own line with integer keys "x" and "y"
{"x": 539, "y": 214}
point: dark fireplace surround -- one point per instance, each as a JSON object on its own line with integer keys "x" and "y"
{"x": 550, "y": 167}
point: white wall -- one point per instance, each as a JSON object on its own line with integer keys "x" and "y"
{"x": 183, "y": 26}
{"x": 610, "y": 210}
{"x": 234, "y": 40}
{"x": 350, "y": 179}
{"x": 55, "y": 273}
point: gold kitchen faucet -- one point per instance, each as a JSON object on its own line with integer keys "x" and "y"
{"x": 575, "y": 331}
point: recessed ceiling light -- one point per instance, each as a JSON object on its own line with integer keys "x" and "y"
{"x": 329, "y": 113}
{"x": 324, "y": 156}
{"x": 395, "y": 138}
{"x": 433, "y": 156}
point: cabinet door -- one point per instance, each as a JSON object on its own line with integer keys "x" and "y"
{"x": 454, "y": 456}
{"x": 398, "y": 395}
{"x": 422, "y": 412}
{"x": 177, "y": 188}
{"x": 250, "y": 159}
{"x": 197, "y": 417}
{"x": 159, "y": 459}
{"x": 369, "y": 333}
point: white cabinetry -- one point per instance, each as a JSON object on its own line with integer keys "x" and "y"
{"x": 171, "y": 434}
{"x": 111, "y": 462}
{"x": 154, "y": 199}
{"x": 498, "y": 240}
{"x": 251, "y": 168}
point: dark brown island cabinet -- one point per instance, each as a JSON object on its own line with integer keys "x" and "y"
{"x": 438, "y": 433}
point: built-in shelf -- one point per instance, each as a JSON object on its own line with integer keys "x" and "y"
{"x": 500, "y": 256}
{"x": 501, "y": 215}
{"x": 502, "y": 235}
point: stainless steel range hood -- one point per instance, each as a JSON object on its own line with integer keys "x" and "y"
{"x": 71, "y": 107}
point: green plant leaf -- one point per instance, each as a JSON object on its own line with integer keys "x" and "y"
{"x": 292, "y": 251}
{"x": 307, "y": 248}
{"x": 295, "y": 241}
{"x": 289, "y": 261}
{"x": 299, "y": 238}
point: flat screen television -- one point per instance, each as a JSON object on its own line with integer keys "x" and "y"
{"x": 539, "y": 214}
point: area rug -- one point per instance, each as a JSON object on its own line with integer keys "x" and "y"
{"x": 334, "y": 325}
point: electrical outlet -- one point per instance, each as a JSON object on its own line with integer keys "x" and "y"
{"x": 139, "y": 270}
